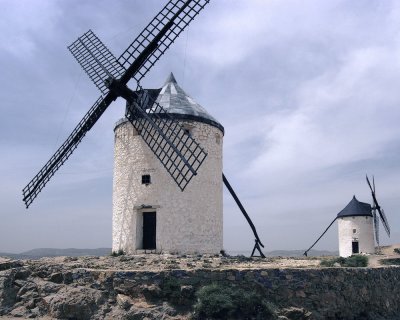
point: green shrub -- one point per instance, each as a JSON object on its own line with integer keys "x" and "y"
{"x": 390, "y": 262}
{"x": 396, "y": 250}
{"x": 229, "y": 302}
{"x": 118, "y": 253}
{"x": 171, "y": 290}
{"x": 352, "y": 261}
{"x": 330, "y": 262}
{"x": 214, "y": 302}
{"x": 327, "y": 262}
{"x": 356, "y": 261}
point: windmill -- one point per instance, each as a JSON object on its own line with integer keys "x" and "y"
{"x": 357, "y": 223}
{"x": 179, "y": 153}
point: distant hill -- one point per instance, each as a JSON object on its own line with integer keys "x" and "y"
{"x": 299, "y": 253}
{"x": 288, "y": 253}
{"x": 52, "y": 252}
{"x": 10, "y": 255}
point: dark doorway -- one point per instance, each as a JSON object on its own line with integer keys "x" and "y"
{"x": 355, "y": 247}
{"x": 149, "y": 230}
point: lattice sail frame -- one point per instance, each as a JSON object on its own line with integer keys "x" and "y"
{"x": 39, "y": 181}
{"x": 95, "y": 58}
{"x": 190, "y": 11}
{"x": 178, "y": 152}
{"x": 376, "y": 225}
{"x": 376, "y": 206}
{"x": 385, "y": 221}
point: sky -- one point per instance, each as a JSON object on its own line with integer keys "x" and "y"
{"x": 307, "y": 91}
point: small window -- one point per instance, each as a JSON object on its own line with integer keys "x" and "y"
{"x": 354, "y": 230}
{"x": 146, "y": 179}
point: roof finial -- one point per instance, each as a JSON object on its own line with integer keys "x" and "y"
{"x": 171, "y": 78}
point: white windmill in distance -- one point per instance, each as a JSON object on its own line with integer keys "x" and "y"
{"x": 356, "y": 225}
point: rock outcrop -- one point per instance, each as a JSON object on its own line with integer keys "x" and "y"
{"x": 166, "y": 287}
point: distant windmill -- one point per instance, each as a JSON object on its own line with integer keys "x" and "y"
{"x": 356, "y": 225}
{"x": 178, "y": 152}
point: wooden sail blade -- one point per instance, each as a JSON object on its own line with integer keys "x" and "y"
{"x": 39, "y": 181}
{"x": 377, "y": 207}
{"x": 376, "y": 226}
{"x": 177, "y": 151}
{"x": 158, "y": 36}
{"x": 384, "y": 221}
{"x": 369, "y": 184}
{"x": 95, "y": 58}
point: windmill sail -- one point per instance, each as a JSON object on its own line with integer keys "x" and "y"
{"x": 135, "y": 62}
{"x": 377, "y": 207}
{"x": 38, "y": 182}
{"x": 376, "y": 226}
{"x": 95, "y": 58}
{"x": 171, "y": 20}
{"x": 384, "y": 221}
{"x": 178, "y": 152}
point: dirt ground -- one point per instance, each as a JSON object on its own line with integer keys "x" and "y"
{"x": 160, "y": 262}
{"x": 387, "y": 252}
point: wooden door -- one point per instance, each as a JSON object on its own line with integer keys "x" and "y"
{"x": 355, "y": 248}
{"x": 149, "y": 230}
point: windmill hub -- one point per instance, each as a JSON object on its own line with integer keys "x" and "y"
{"x": 120, "y": 89}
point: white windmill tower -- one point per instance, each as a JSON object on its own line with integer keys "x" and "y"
{"x": 150, "y": 212}
{"x": 355, "y": 229}
{"x": 356, "y": 225}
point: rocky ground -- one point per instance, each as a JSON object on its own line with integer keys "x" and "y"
{"x": 82, "y": 288}
{"x": 160, "y": 262}
{"x": 386, "y": 252}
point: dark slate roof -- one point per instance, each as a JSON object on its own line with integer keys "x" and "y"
{"x": 356, "y": 208}
{"x": 178, "y": 103}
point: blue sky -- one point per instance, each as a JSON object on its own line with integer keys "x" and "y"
{"x": 307, "y": 92}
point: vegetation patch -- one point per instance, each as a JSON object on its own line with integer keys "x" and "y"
{"x": 217, "y": 301}
{"x": 179, "y": 295}
{"x": 396, "y": 250}
{"x": 355, "y": 261}
{"x": 390, "y": 262}
{"x": 118, "y": 253}
{"x": 170, "y": 289}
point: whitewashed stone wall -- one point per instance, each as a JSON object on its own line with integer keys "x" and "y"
{"x": 364, "y": 234}
{"x": 188, "y": 221}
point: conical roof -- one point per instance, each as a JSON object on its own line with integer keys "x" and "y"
{"x": 356, "y": 208}
{"x": 179, "y": 104}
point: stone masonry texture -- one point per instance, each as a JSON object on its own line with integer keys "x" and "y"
{"x": 187, "y": 222}
{"x": 39, "y": 288}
